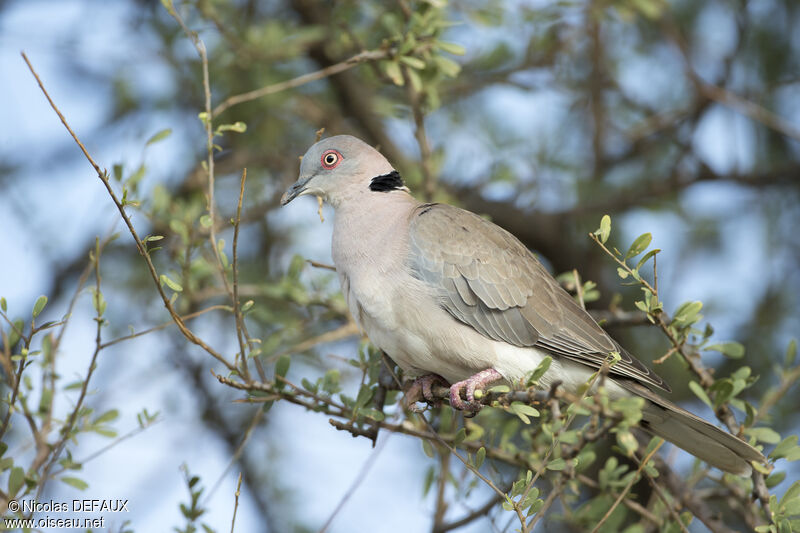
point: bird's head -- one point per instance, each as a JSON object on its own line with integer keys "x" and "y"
{"x": 343, "y": 167}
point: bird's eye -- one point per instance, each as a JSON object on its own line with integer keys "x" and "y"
{"x": 330, "y": 159}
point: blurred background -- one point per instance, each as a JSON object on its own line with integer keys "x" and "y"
{"x": 678, "y": 118}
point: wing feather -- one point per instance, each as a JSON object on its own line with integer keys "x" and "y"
{"x": 490, "y": 281}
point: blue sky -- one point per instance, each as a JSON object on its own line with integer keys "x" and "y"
{"x": 54, "y": 202}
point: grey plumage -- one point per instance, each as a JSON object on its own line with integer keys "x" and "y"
{"x": 445, "y": 292}
{"x": 492, "y": 282}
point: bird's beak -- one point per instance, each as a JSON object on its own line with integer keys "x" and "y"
{"x": 297, "y": 189}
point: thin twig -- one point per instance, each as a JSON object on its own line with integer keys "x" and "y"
{"x": 349, "y": 329}
{"x": 415, "y": 100}
{"x": 58, "y": 448}
{"x": 627, "y": 487}
{"x": 557, "y": 439}
{"x": 722, "y": 95}
{"x": 360, "y": 477}
{"x": 554, "y": 493}
{"x": 477, "y": 513}
{"x": 259, "y": 412}
{"x": 317, "y": 264}
{"x": 103, "y": 175}
{"x": 236, "y": 501}
{"x": 633, "y": 506}
{"x": 110, "y": 445}
{"x": 441, "y": 503}
{"x": 208, "y": 124}
{"x": 165, "y": 325}
{"x": 237, "y": 311}
{"x": 471, "y": 467}
{"x": 347, "y": 64}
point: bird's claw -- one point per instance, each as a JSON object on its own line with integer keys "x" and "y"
{"x": 470, "y": 386}
{"x": 421, "y": 390}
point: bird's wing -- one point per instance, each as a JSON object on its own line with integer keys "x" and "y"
{"x": 488, "y": 279}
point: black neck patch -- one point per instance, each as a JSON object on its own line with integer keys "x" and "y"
{"x": 386, "y": 182}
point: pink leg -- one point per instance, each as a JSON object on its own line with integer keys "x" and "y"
{"x": 479, "y": 380}
{"x": 421, "y": 390}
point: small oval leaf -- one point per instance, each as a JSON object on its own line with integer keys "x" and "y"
{"x": 41, "y": 301}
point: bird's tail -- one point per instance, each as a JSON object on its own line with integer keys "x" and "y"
{"x": 698, "y": 437}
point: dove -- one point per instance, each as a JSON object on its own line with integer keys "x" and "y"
{"x": 451, "y": 296}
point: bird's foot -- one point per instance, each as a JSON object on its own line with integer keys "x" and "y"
{"x": 470, "y": 385}
{"x": 421, "y": 390}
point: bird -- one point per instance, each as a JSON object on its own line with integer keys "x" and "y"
{"x": 449, "y": 295}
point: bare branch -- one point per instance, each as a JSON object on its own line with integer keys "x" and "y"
{"x": 103, "y": 175}
{"x": 369, "y": 55}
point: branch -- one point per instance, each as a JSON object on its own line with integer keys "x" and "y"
{"x": 415, "y": 99}
{"x": 58, "y": 447}
{"x": 347, "y": 64}
{"x": 474, "y": 515}
{"x": 722, "y": 95}
{"x": 103, "y": 175}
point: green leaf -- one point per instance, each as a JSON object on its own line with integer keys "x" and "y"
{"x": 480, "y": 456}
{"x": 75, "y": 482}
{"x": 392, "y": 70}
{"x": 330, "y": 382}
{"x": 775, "y": 479}
{"x": 584, "y": 459}
{"x": 170, "y": 283}
{"x": 763, "y": 434}
{"x": 790, "y": 494}
{"x": 137, "y": 176}
{"x": 787, "y": 448}
{"x": 604, "y": 230}
{"x": 646, "y": 256}
{"x": 639, "y": 245}
{"x": 557, "y": 464}
{"x": 160, "y": 136}
{"x": 451, "y": 48}
{"x": 3, "y": 305}
{"x": 539, "y": 371}
{"x": 117, "y": 170}
{"x": 687, "y": 313}
{"x": 41, "y": 301}
{"x": 628, "y": 442}
{"x": 523, "y": 411}
{"x": 427, "y": 447}
{"x": 448, "y": 67}
{"x": 430, "y": 475}
{"x": 416, "y": 81}
{"x": 791, "y": 351}
{"x": 700, "y": 393}
{"x": 15, "y": 480}
{"x": 281, "y": 368}
{"x": 460, "y": 436}
{"x": 105, "y": 431}
{"x": 75, "y": 385}
{"x": 238, "y": 127}
{"x": 413, "y": 62}
{"x": 108, "y": 416}
{"x": 364, "y": 395}
{"x": 732, "y": 349}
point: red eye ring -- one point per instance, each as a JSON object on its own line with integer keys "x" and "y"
{"x": 330, "y": 159}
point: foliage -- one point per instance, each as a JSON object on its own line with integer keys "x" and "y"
{"x": 253, "y": 102}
